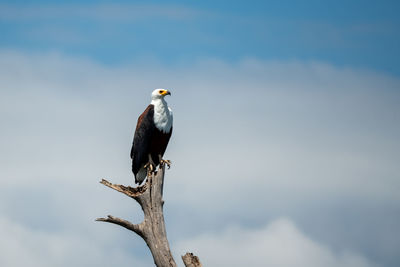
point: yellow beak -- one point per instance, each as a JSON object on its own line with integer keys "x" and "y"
{"x": 165, "y": 92}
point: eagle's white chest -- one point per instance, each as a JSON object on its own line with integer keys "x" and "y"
{"x": 162, "y": 115}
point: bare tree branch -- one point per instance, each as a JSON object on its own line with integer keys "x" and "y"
{"x": 132, "y": 192}
{"x": 152, "y": 229}
{"x": 137, "y": 228}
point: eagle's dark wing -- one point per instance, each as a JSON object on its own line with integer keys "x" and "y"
{"x": 141, "y": 141}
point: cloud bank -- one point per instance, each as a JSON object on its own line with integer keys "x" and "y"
{"x": 280, "y": 243}
{"x": 253, "y": 142}
{"x": 23, "y": 246}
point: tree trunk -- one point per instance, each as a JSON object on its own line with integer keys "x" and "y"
{"x": 152, "y": 229}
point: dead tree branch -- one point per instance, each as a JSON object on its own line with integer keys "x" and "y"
{"x": 152, "y": 229}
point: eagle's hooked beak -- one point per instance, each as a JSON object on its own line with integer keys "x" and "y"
{"x": 165, "y": 92}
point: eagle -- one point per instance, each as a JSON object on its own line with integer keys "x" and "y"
{"x": 152, "y": 134}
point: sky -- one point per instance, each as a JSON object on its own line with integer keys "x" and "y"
{"x": 286, "y": 140}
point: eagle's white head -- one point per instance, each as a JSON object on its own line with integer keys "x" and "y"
{"x": 159, "y": 94}
{"x": 162, "y": 113}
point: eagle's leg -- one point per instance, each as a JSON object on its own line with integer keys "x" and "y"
{"x": 150, "y": 166}
{"x": 164, "y": 161}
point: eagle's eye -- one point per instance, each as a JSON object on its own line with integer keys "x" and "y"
{"x": 161, "y": 92}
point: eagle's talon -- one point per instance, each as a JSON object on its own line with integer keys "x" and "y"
{"x": 150, "y": 168}
{"x": 166, "y": 162}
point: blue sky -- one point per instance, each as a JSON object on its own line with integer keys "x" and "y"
{"x": 286, "y": 141}
{"x": 363, "y": 34}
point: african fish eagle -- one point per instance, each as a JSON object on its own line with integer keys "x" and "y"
{"x": 153, "y": 131}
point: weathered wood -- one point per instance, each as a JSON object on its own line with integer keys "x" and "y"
{"x": 191, "y": 260}
{"x": 152, "y": 229}
{"x": 137, "y": 228}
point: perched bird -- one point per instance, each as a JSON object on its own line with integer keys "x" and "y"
{"x": 152, "y": 134}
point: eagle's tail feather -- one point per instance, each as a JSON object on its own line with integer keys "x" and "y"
{"x": 141, "y": 175}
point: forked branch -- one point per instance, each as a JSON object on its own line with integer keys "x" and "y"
{"x": 152, "y": 229}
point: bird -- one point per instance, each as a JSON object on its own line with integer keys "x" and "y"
{"x": 152, "y": 134}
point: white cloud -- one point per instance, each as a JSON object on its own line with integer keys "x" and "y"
{"x": 279, "y": 243}
{"x": 285, "y": 139}
{"x": 21, "y": 246}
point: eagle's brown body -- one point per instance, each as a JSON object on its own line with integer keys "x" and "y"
{"x": 148, "y": 140}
